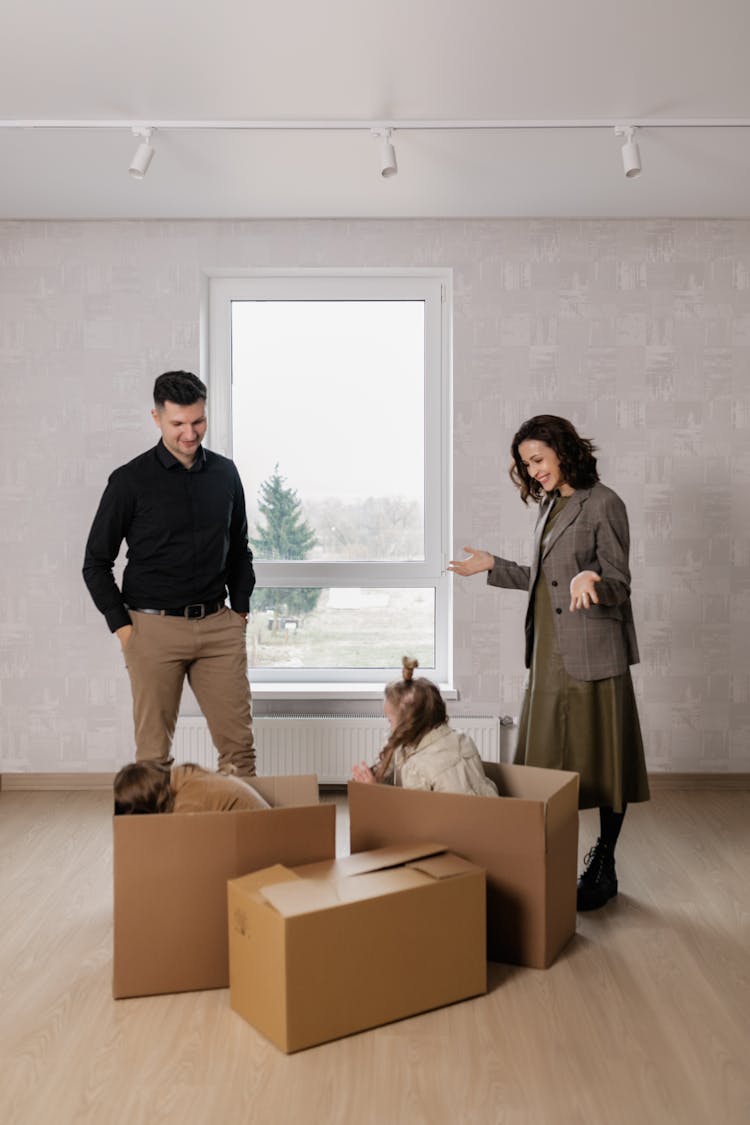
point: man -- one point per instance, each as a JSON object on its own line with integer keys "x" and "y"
{"x": 181, "y": 510}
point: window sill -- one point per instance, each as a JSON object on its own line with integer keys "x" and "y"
{"x": 343, "y": 692}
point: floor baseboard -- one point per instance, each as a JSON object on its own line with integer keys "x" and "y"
{"x": 60, "y": 781}
{"x": 10, "y": 782}
{"x": 699, "y": 780}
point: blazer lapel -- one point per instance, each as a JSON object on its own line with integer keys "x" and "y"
{"x": 541, "y": 523}
{"x": 567, "y": 516}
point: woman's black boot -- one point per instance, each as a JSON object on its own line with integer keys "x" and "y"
{"x": 598, "y": 882}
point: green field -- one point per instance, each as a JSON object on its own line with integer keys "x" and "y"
{"x": 374, "y": 630}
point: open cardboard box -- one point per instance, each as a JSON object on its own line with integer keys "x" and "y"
{"x": 526, "y": 840}
{"x": 328, "y": 949}
{"x": 170, "y": 881}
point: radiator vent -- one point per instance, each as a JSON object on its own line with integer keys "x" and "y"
{"x": 326, "y": 745}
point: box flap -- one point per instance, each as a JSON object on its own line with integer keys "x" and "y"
{"x": 303, "y": 896}
{"x": 395, "y": 855}
{"x": 527, "y": 783}
{"x": 276, "y": 874}
{"x": 443, "y": 866}
{"x": 309, "y": 895}
{"x": 374, "y": 884}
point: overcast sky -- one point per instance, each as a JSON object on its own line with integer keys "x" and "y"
{"x": 333, "y": 391}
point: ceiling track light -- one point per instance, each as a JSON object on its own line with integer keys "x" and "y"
{"x": 388, "y": 165}
{"x": 144, "y": 154}
{"x": 631, "y": 156}
{"x": 382, "y": 130}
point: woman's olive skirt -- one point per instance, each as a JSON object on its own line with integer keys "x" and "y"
{"x": 590, "y": 726}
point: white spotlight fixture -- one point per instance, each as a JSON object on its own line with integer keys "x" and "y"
{"x": 388, "y": 165}
{"x": 631, "y": 157}
{"x": 144, "y": 154}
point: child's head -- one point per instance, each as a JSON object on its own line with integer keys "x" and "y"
{"x": 143, "y": 787}
{"x": 413, "y": 703}
{"x": 413, "y": 708}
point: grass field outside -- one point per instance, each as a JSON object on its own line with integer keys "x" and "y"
{"x": 350, "y": 628}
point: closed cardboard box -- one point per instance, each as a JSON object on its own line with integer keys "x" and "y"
{"x": 325, "y": 950}
{"x": 526, "y": 840}
{"x": 170, "y": 880}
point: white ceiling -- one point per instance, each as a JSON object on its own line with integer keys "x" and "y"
{"x": 374, "y": 60}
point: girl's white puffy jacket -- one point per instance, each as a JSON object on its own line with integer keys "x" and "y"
{"x": 447, "y": 761}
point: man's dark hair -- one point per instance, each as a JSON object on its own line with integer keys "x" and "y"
{"x": 181, "y": 387}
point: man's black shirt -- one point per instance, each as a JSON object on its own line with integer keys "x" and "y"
{"x": 186, "y": 531}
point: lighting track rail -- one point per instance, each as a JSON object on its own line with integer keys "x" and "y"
{"x": 414, "y": 125}
{"x": 382, "y": 131}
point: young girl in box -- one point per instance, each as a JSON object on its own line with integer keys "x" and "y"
{"x": 423, "y": 751}
{"x": 152, "y": 787}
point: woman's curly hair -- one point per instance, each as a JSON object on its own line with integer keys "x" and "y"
{"x": 575, "y": 454}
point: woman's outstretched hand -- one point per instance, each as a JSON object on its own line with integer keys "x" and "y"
{"x": 363, "y": 773}
{"x": 583, "y": 590}
{"x": 477, "y": 562}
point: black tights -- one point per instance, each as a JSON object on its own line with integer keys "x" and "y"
{"x": 610, "y": 824}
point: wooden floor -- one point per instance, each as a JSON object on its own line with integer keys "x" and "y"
{"x": 645, "y": 1018}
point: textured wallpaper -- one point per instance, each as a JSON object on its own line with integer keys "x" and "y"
{"x": 638, "y": 331}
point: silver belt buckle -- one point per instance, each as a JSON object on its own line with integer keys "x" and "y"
{"x": 195, "y": 616}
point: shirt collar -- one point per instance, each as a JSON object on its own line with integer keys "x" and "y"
{"x": 169, "y": 461}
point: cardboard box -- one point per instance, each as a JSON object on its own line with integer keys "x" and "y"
{"x": 526, "y": 840}
{"x": 329, "y": 949}
{"x": 170, "y": 882}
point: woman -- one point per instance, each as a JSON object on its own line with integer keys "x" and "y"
{"x": 579, "y": 711}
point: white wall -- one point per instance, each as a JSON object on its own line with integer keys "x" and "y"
{"x": 638, "y": 331}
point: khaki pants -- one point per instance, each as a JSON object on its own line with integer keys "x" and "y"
{"x": 211, "y": 652}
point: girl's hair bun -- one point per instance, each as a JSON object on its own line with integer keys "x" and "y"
{"x": 407, "y": 667}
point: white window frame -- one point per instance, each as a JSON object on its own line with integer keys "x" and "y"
{"x": 220, "y": 288}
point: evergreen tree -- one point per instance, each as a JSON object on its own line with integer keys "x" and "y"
{"x": 286, "y": 535}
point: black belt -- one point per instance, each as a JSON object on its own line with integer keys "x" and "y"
{"x": 197, "y": 610}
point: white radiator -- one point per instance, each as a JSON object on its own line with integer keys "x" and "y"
{"x": 326, "y": 745}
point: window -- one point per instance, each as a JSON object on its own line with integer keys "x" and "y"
{"x": 330, "y": 390}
